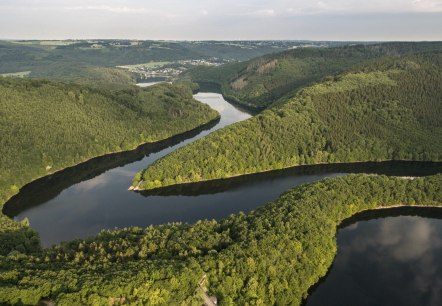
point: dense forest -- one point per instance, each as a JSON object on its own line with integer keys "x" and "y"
{"x": 260, "y": 82}
{"x": 47, "y": 126}
{"x": 272, "y": 255}
{"x": 387, "y": 109}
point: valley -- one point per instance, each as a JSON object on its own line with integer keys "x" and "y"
{"x": 284, "y": 148}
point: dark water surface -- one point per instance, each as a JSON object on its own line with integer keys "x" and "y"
{"x": 394, "y": 259}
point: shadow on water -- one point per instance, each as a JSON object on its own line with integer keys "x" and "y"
{"x": 424, "y": 212}
{"x": 46, "y": 188}
{"x": 396, "y": 168}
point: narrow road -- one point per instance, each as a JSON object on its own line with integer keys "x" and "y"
{"x": 204, "y": 295}
{"x": 207, "y": 300}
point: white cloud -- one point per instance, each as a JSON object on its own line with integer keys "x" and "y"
{"x": 372, "y": 6}
{"x": 322, "y": 5}
{"x": 265, "y": 12}
{"x": 106, "y": 8}
{"x": 256, "y": 13}
{"x": 405, "y": 238}
{"x": 231, "y": 7}
{"x": 94, "y": 183}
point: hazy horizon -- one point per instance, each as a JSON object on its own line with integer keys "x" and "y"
{"x": 326, "y": 20}
{"x": 207, "y": 40}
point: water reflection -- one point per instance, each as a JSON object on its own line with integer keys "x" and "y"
{"x": 387, "y": 261}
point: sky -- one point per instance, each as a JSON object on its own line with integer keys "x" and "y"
{"x": 374, "y": 20}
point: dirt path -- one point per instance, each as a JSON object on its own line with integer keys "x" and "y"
{"x": 207, "y": 300}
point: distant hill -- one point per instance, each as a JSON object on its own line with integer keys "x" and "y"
{"x": 388, "y": 108}
{"x": 95, "y": 61}
{"x": 260, "y": 82}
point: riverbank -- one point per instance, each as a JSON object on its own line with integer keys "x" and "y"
{"x": 275, "y": 171}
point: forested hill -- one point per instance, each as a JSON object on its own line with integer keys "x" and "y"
{"x": 260, "y": 82}
{"x": 47, "y": 126}
{"x": 271, "y": 256}
{"x": 389, "y": 108}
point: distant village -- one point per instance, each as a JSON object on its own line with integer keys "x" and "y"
{"x": 170, "y": 69}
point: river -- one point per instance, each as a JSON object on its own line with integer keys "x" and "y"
{"x": 83, "y": 200}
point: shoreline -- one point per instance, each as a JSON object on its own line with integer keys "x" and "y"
{"x": 286, "y": 169}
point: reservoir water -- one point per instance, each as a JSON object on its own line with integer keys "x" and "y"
{"x": 386, "y": 258}
{"x": 83, "y": 200}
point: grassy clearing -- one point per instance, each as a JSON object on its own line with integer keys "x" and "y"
{"x": 146, "y": 65}
{"x": 21, "y": 74}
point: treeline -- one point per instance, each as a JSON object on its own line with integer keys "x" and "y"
{"x": 108, "y": 78}
{"x": 272, "y": 255}
{"x": 260, "y": 82}
{"x": 388, "y": 109}
{"x": 17, "y": 237}
{"x": 46, "y": 126}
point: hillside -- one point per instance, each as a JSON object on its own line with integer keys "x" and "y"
{"x": 259, "y": 82}
{"x": 272, "y": 255}
{"x": 47, "y": 126}
{"x": 38, "y": 60}
{"x": 389, "y": 108}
